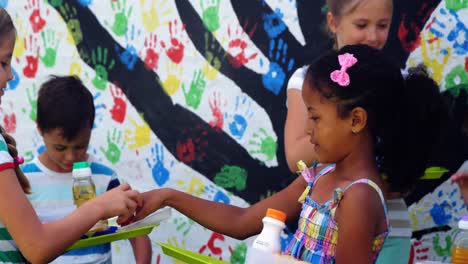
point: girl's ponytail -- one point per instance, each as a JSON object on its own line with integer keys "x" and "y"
{"x": 11, "y": 143}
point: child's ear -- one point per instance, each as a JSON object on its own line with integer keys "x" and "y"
{"x": 331, "y": 22}
{"x": 358, "y": 119}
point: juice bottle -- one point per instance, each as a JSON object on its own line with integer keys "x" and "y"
{"x": 269, "y": 239}
{"x": 460, "y": 243}
{"x": 84, "y": 190}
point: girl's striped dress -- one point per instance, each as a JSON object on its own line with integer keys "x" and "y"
{"x": 317, "y": 233}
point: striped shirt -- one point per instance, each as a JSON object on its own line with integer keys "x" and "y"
{"x": 9, "y": 252}
{"x": 52, "y": 191}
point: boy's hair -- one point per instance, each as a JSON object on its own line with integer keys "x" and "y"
{"x": 403, "y": 114}
{"x": 64, "y": 102}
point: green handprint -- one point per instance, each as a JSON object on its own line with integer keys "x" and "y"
{"x": 101, "y": 66}
{"x": 238, "y": 254}
{"x": 456, "y": 77}
{"x": 184, "y": 223}
{"x": 51, "y": 44}
{"x": 456, "y": 5}
{"x": 69, "y": 14}
{"x": 113, "y": 151}
{"x": 197, "y": 86}
{"x": 55, "y": 3}
{"x": 210, "y": 14}
{"x": 121, "y": 18}
{"x": 32, "y": 99}
{"x": 442, "y": 251}
{"x": 267, "y": 145}
{"x": 231, "y": 177}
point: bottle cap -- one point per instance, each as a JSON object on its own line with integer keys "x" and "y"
{"x": 276, "y": 214}
{"x": 80, "y": 165}
{"x": 81, "y": 169}
{"x": 463, "y": 223}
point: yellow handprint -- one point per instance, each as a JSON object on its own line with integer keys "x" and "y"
{"x": 172, "y": 83}
{"x": 209, "y": 71}
{"x": 431, "y": 61}
{"x": 22, "y": 31}
{"x": 139, "y": 137}
{"x": 195, "y": 187}
{"x": 151, "y": 18}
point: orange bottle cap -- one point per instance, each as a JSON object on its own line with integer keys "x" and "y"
{"x": 276, "y": 214}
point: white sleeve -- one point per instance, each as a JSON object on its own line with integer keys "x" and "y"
{"x": 297, "y": 79}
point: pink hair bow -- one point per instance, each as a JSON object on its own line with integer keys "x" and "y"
{"x": 340, "y": 76}
{"x": 18, "y": 161}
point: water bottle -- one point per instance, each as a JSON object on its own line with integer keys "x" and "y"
{"x": 460, "y": 242}
{"x": 84, "y": 190}
{"x": 269, "y": 239}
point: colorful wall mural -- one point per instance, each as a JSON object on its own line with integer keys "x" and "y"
{"x": 190, "y": 94}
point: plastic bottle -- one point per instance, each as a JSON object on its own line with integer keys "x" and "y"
{"x": 269, "y": 239}
{"x": 84, "y": 190}
{"x": 460, "y": 243}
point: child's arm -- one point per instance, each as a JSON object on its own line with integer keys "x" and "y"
{"x": 359, "y": 218}
{"x": 40, "y": 243}
{"x": 141, "y": 249}
{"x": 223, "y": 218}
{"x": 296, "y": 142}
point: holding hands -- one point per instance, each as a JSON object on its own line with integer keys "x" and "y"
{"x": 121, "y": 201}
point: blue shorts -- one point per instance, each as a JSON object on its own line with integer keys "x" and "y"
{"x": 395, "y": 250}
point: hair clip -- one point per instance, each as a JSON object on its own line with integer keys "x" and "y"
{"x": 340, "y": 76}
{"x": 18, "y": 160}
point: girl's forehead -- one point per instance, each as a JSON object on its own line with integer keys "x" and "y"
{"x": 365, "y": 6}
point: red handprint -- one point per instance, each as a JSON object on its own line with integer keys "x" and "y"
{"x": 152, "y": 52}
{"x": 9, "y": 119}
{"x": 175, "y": 51}
{"x": 193, "y": 145}
{"x": 37, "y": 22}
{"x": 408, "y": 31}
{"x": 466, "y": 64}
{"x": 218, "y": 117}
{"x": 211, "y": 245}
{"x": 119, "y": 109}
{"x": 185, "y": 150}
{"x": 237, "y": 46}
{"x": 32, "y": 57}
{"x": 418, "y": 252}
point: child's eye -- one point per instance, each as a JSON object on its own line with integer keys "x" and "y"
{"x": 383, "y": 26}
{"x": 361, "y": 26}
{"x": 314, "y": 118}
{"x": 59, "y": 148}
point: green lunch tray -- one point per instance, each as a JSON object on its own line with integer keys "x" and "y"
{"x": 188, "y": 256}
{"x": 119, "y": 235}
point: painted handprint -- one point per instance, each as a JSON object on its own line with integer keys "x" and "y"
{"x": 193, "y": 145}
{"x": 70, "y": 15}
{"x": 140, "y": 136}
{"x": 214, "y": 55}
{"x": 456, "y": 5}
{"x": 172, "y": 82}
{"x": 210, "y": 14}
{"x": 431, "y": 52}
{"x": 31, "y": 46}
{"x": 35, "y": 18}
{"x": 238, "y": 254}
{"x": 216, "y": 195}
{"x": 114, "y": 146}
{"x": 184, "y": 224}
{"x": 102, "y": 64}
{"x": 237, "y": 46}
{"x": 13, "y": 83}
{"x": 119, "y": 109}
{"x": 32, "y": 99}
{"x": 21, "y": 33}
{"x": 279, "y": 64}
{"x": 51, "y": 42}
{"x": 121, "y": 14}
{"x": 197, "y": 87}
{"x": 242, "y": 113}
{"x": 443, "y": 249}
{"x": 85, "y": 3}
{"x": 419, "y": 251}
{"x": 210, "y": 245}
{"x": 410, "y": 26}
{"x": 175, "y": 49}
{"x": 231, "y": 177}
{"x": 267, "y": 145}
{"x": 158, "y": 169}
{"x": 8, "y": 117}
{"x": 273, "y": 23}
{"x": 152, "y": 51}
{"x": 98, "y": 106}
{"x": 458, "y": 30}
{"x": 215, "y": 106}
{"x": 195, "y": 186}
{"x": 457, "y": 77}
{"x": 154, "y": 16}
{"x": 129, "y": 55}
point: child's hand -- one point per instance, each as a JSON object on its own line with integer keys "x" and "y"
{"x": 121, "y": 201}
{"x": 152, "y": 201}
{"x": 461, "y": 178}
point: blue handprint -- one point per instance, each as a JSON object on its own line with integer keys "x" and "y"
{"x": 98, "y": 106}
{"x": 3, "y": 3}
{"x": 216, "y": 195}
{"x": 85, "y": 3}
{"x": 451, "y": 207}
{"x": 239, "y": 124}
{"x": 159, "y": 171}
{"x": 129, "y": 56}
{"x": 458, "y": 33}
{"x": 13, "y": 84}
{"x": 273, "y": 23}
{"x": 274, "y": 79}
